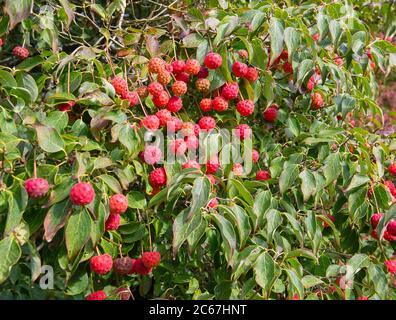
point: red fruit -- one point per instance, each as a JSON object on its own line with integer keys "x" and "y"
{"x": 219, "y": 104}
{"x": 255, "y": 156}
{"x": 206, "y": 105}
{"x": 207, "y": 123}
{"x": 178, "y": 66}
{"x": 243, "y": 131}
{"x": 157, "y": 177}
{"x": 191, "y": 164}
{"x": 168, "y": 67}
{"x": 123, "y": 293}
{"x": 332, "y": 219}
{"x": 178, "y": 147}
{"x": 97, "y": 295}
{"x": 245, "y": 107}
{"x": 192, "y": 66}
{"x": 230, "y": 90}
{"x": 123, "y": 265}
{"x": 251, "y": 74}
{"x": 185, "y": 77}
{"x": 391, "y": 187}
{"x": 132, "y": 97}
{"x": 375, "y": 218}
{"x": 237, "y": 168}
{"x": 179, "y": 88}
{"x": 192, "y": 142}
{"x": 155, "y": 89}
{"x": 211, "y": 178}
{"x": 263, "y": 175}
{"x": 287, "y": 67}
{"x": 161, "y": 100}
{"x": 36, "y": 187}
{"x": 391, "y": 266}
{"x": 317, "y": 100}
{"x": 284, "y": 55}
{"x": 101, "y": 264}
{"x": 239, "y": 69}
{"x": 311, "y": 84}
{"x": 118, "y": 204}
{"x": 113, "y": 222}
{"x": 82, "y": 194}
{"x": 203, "y": 73}
{"x": 164, "y": 77}
{"x": 66, "y": 107}
{"x": 271, "y": 113}
{"x": 388, "y": 236}
{"x": 156, "y": 65}
{"x": 140, "y": 268}
{"x": 213, "y": 60}
{"x": 174, "y": 104}
{"x": 374, "y": 234}
{"x": 362, "y": 298}
{"x": 243, "y": 54}
{"x": 213, "y": 203}
{"x": 142, "y": 91}
{"x": 392, "y": 169}
{"x": 391, "y": 228}
{"x": 151, "y": 122}
{"x": 202, "y": 85}
{"x": 1, "y": 42}
{"x": 187, "y": 129}
{"x": 120, "y": 85}
{"x": 151, "y": 259}
{"x": 20, "y": 52}
{"x": 315, "y": 37}
{"x": 152, "y": 155}
{"x": 338, "y": 61}
{"x": 164, "y": 116}
{"x": 212, "y": 165}
{"x": 197, "y": 129}
{"x": 174, "y": 124}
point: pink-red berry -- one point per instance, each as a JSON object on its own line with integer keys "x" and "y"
{"x": 174, "y": 104}
{"x": 239, "y": 69}
{"x": 118, "y": 204}
{"x": 157, "y": 177}
{"x": 101, "y": 264}
{"x": 123, "y": 265}
{"x": 263, "y": 175}
{"x": 207, "y": 123}
{"x": 113, "y": 222}
{"x": 213, "y": 60}
{"x": 270, "y": 114}
{"x": 220, "y": 104}
{"x": 192, "y": 66}
{"x": 230, "y": 90}
{"x": 82, "y": 194}
{"x": 151, "y": 122}
{"x": 245, "y": 107}
{"x": 20, "y": 52}
{"x": 36, "y": 187}
{"x": 97, "y": 295}
{"x": 206, "y": 105}
{"x": 151, "y": 259}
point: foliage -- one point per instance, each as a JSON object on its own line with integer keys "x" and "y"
{"x": 270, "y": 239}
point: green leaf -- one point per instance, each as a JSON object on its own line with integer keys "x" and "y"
{"x": 48, "y": 138}
{"x": 332, "y": 167}
{"x": 274, "y": 220}
{"x": 136, "y": 200}
{"x": 55, "y": 219}
{"x": 7, "y": 80}
{"x": 292, "y": 40}
{"x": 305, "y": 70}
{"x": 228, "y": 234}
{"x": 276, "y": 34}
{"x": 310, "y": 281}
{"x": 265, "y": 271}
{"x": 193, "y": 40}
{"x": 357, "y": 181}
{"x": 358, "y": 261}
{"x": 288, "y": 176}
{"x": 308, "y": 185}
{"x": 26, "y": 81}
{"x": 17, "y": 201}
{"x": 111, "y": 182}
{"x": 243, "y": 191}
{"x": 262, "y": 203}
{"x": 200, "y": 194}
{"x": 238, "y": 215}
{"x": 17, "y": 11}
{"x": 295, "y": 281}
{"x": 10, "y": 253}
{"x": 77, "y": 232}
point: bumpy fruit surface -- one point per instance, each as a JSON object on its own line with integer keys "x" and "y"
{"x": 220, "y": 104}
{"x": 237, "y": 169}
{"x": 192, "y": 142}
{"x": 251, "y": 74}
{"x": 230, "y": 91}
{"x": 132, "y": 97}
{"x": 164, "y": 116}
{"x": 151, "y": 259}
{"x": 202, "y": 85}
{"x": 178, "y": 147}
{"x": 101, "y": 264}
{"x": 123, "y": 265}
{"x": 156, "y": 65}
{"x": 151, "y": 122}
{"x": 391, "y": 228}
{"x": 174, "y": 104}
{"x": 20, "y": 52}
{"x": 239, "y": 69}
{"x": 192, "y": 66}
{"x": 206, "y": 105}
{"x": 82, "y": 194}
{"x": 255, "y": 156}
{"x": 157, "y": 177}
{"x": 243, "y": 54}
{"x": 187, "y": 129}
{"x": 36, "y": 187}
{"x": 213, "y": 60}
{"x": 212, "y": 165}
{"x": 97, "y": 295}
{"x": 270, "y": 114}
{"x": 174, "y": 124}
{"x": 375, "y": 218}
{"x": 183, "y": 76}
{"x": 142, "y": 91}
{"x": 118, "y": 204}
{"x": 161, "y": 100}
{"x": 263, "y": 175}
{"x": 245, "y": 107}
{"x": 164, "y": 77}
{"x": 317, "y": 100}
{"x": 113, "y": 222}
{"x": 191, "y": 164}
{"x": 392, "y": 169}
{"x": 243, "y": 131}
{"x": 287, "y": 67}
{"x": 120, "y": 85}
{"x": 213, "y": 203}
{"x": 207, "y": 123}
{"x": 203, "y": 73}
{"x": 179, "y": 88}
{"x": 140, "y": 268}
{"x": 178, "y": 66}
{"x": 155, "y": 88}
{"x": 66, "y": 107}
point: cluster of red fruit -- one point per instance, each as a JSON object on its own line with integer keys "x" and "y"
{"x": 18, "y": 51}
{"x": 103, "y": 264}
